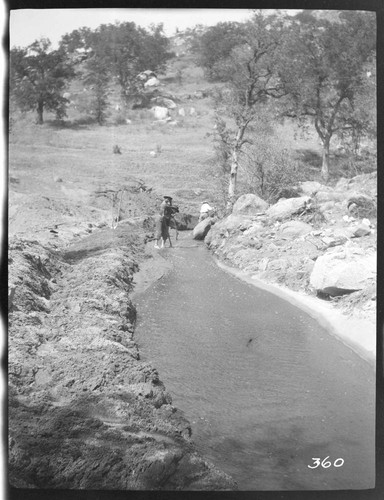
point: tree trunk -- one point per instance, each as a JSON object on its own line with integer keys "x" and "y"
{"x": 235, "y": 165}
{"x": 325, "y": 163}
{"x": 40, "y": 109}
{"x": 233, "y": 179}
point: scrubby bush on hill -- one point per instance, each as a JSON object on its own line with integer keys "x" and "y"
{"x": 270, "y": 171}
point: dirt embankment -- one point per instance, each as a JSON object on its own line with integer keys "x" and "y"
{"x": 84, "y": 411}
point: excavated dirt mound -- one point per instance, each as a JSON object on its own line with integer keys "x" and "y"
{"x": 84, "y": 411}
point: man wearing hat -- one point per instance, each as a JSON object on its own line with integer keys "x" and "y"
{"x": 167, "y": 201}
{"x": 205, "y": 210}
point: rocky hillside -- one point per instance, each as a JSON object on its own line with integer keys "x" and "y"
{"x": 321, "y": 243}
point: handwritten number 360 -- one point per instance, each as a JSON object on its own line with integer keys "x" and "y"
{"x": 339, "y": 462}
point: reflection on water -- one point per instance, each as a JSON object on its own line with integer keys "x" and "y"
{"x": 265, "y": 387}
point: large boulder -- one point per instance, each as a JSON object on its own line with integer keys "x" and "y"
{"x": 329, "y": 195}
{"x": 249, "y": 204}
{"x": 186, "y": 221}
{"x": 160, "y": 113}
{"x": 236, "y": 222}
{"x": 233, "y": 224}
{"x": 152, "y": 82}
{"x": 146, "y": 75}
{"x": 361, "y": 230}
{"x": 202, "y": 228}
{"x": 365, "y": 183}
{"x": 311, "y": 187}
{"x": 343, "y": 270}
{"x": 285, "y": 208}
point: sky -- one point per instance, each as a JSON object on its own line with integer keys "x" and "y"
{"x": 28, "y": 25}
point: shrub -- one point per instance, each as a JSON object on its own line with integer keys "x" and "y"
{"x": 269, "y": 171}
{"x": 313, "y": 215}
{"x": 349, "y": 165}
{"x": 120, "y": 119}
{"x": 144, "y": 114}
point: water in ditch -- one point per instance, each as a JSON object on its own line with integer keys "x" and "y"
{"x": 274, "y": 400}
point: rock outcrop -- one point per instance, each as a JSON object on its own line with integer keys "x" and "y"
{"x": 249, "y": 204}
{"x": 152, "y": 82}
{"x": 310, "y": 188}
{"x": 160, "y": 113}
{"x": 307, "y": 244}
{"x": 286, "y": 208}
{"x": 343, "y": 270}
{"x": 202, "y": 228}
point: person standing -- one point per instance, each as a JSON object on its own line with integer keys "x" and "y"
{"x": 160, "y": 219}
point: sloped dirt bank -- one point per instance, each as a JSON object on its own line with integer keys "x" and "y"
{"x": 84, "y": 411}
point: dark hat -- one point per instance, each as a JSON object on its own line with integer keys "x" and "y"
{"x": 167, "y": 197}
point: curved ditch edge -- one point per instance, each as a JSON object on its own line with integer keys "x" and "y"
{"x": 84, "y": 411}
{"x": 357, "y": 334}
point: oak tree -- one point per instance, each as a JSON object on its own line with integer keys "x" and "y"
{"x": 323, "y": 71}
{"x": 38, "y": 77}
{"x": 121, "y": 50}
{"x": 215, "y": 44}
{"x": 96, "y": 78}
